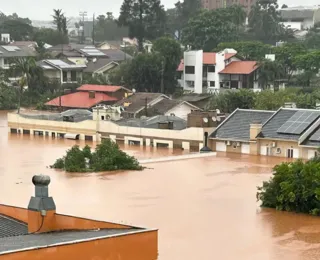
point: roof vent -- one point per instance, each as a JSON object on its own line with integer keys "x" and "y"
{"x": 41, "y": 200}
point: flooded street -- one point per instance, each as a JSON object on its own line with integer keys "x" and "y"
{"x": 204, "y": 208}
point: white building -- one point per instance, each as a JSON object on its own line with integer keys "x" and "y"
{"x": 208, "y": 72}
{"x": 300, "y": 18}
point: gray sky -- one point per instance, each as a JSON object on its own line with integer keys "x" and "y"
{"x": 42, "y": 9}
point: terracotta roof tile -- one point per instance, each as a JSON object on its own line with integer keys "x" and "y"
{"x": 99, "y": 88}
{"x": 240, "y": 67}
{"x": 80, "y": 100}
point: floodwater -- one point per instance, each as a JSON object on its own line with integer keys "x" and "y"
{"x": 204, "y": 208}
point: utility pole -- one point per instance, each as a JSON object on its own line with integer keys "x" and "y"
{"x": 83, "y": 15}
{"x": 93, "y": 30}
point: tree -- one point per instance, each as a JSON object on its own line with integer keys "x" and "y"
{"x": 284, "y": 6}
{"x": 249, "y": 50}
{"x": 18, "y": 29}
{"x": 269, "y": 72}
{"x": 8, "y": 97}
{"x": 58, "y": 18}
{"x": 312, "y": 40}
{"x": 170, "y": 50}
{"x": 293, "y": 187}
{"x": 264, "y": 21}
{"x": 145, "y": 19}
{"x": 106, "y": 157}
{"x": 231, "y": 100}
{"x": 309, "y": 63}
{"x": 50, "y": 36}
{"x": 209, "y": 28}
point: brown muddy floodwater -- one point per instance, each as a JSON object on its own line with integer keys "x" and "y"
{"x": 204, "y": 208}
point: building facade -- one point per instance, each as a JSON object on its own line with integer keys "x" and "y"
{"x": 202, "y": 72}
{"x": 215, "y": 4}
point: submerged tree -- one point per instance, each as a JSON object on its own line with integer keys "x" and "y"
{"x": 106, "y": 157}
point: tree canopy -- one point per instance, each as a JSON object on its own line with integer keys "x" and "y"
{"x": 106, "y": 157}
{"x": 144, "y": 18}
{"x": 294, "y": 187}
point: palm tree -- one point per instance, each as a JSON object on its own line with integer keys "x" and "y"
{"x": 58, "y": 19}
{"x": 21, "y": 84}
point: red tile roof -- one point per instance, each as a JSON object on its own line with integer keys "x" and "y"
{"x": 240, "y": 67}
{"x": 80, "y": 100}
{"x": 209, "y": 58}
{"x": 99, "y": 88}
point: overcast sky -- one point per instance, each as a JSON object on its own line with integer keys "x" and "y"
{"x": 42, "y": 9}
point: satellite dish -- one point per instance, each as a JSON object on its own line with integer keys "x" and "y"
{"x": 214, "y": 119}
{"x": 218, "y": 111}
{"x": 205, "y": 120}
{"x": 218, "y": 118}
{"x": 134, "y": 90}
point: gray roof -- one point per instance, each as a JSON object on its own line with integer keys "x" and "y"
{"x": 138, "y": 101}
{"x": 165, "y": 105}
{"x": 116, "y": 55}
{"x": 9, "y": 51}
{"x": 195, "y": 97}
{"x": 152, "y": 122}
{"x": 36, "y": 241}
{"x": 288, "y": 14}
{"x": 10, "y": 227}
{"x": 237, "y": 125}
{"x": 98, "y": 64}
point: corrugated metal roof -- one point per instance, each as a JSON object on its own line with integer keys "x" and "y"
{"x": 10, "y": 227}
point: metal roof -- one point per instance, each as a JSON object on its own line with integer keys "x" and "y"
{"x": 10, "y": 227}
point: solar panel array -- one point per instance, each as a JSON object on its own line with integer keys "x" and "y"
{"x": 315, "y": 136}
{"x": 92, "y": 52}
{"x": 299, "y": 122}
{"x": 11, "y": 48}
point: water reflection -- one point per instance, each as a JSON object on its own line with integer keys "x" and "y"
{"x": 204, "y": 208}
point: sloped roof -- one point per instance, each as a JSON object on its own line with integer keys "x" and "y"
{"x": 269, "y": 130}
{"x": 138, "y": 100}
{"x": 209, "y": 58}
{"x": 10, "y": 227}
{"x": 167, "y": 104}
{"x": 302, "y": 13}
{"x": 237, "y": 125}
{"x": 16, "y": 51}
{"x": 93, "y": 66}
{"x": 99, "y": 88}
{"x": 116, "y": 55}
{"x": 195, "y": 97}
{"x": 80, "y": 100}
{"x": 240, "y": 67}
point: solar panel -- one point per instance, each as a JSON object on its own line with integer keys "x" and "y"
{"x": 298, "y": 122}
{"x": 11, "y": 48}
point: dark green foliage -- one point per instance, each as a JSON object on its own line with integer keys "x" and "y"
{"x": 144, "y": 18}
{"x": 19, "y": 28}
{"x": 106, "y": 28}
{"x": 106, "y": 157}
{"x": 294, "y": 187}
{"x": 8, "y": 97}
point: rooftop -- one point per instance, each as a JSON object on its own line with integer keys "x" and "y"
{"x": 116, "y": 55}
{"x": 99, "y": 88}
{"x": 167, "y": 104}
{"x": 237, "y": 125}
{"x": 15, "y": 51}
{"x": 299, "y": 12}
{"x": 137, "y": 101}
{"x": 80, "y": 100}
{"x": 93, "y": 66}
{"x": 240, "y": 67}
{"x": 56, "y": 63}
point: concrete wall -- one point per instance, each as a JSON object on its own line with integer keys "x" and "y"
{"x": 181, "y": 111}
{"x": 78, "y": 60}
{"x": 194, "y": 58}
{"x": 193, "y": 135}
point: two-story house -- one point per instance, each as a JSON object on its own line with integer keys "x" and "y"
{"x": 62, "y": 71}
{"x": 208, "y": 72}
{"x": 8, "y": 53}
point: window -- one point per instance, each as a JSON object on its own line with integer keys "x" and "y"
{"x": 290, "y": 153}
{"x": 64, "y": 76}
{"x": 211, "y": 69}
{"x": 73, "y": 76}
{"x": 278, "y": 150}
{"x": 212, "y": 83}
{"x": 102, "y": 117}
{"x": 189, "y": 69}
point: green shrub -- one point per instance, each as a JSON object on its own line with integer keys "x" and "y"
{"x": 106, "y": 157}
{"x": 293, "y": 187}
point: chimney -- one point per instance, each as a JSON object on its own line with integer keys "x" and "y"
{"x": 92, "y": 94}
{"x": 255, "y": 129}
{"x": 41, "y": 208}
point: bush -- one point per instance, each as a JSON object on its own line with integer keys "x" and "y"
{"x": 106, "y": 157}
{"x": 293, "y": 187}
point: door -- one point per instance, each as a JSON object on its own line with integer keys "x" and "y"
{"x": 290, "y": 153}
{"x": 245, "y": 148}
{"x": 263, "y": 150}
{"x": 296, "y": 153}
{"x": 221, "y": 147}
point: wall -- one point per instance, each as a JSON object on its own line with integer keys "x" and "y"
{"x": 20, "y": 214}
{"x": 194, "y": 58}
{"x": 307, "y": 23}
{"x": 78, "y": 60}
{"x": 138, "y": 246}
{"x": 181, "y": 111}
{"x": 293, "y": 25}
{"x": 52, "y": 74}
